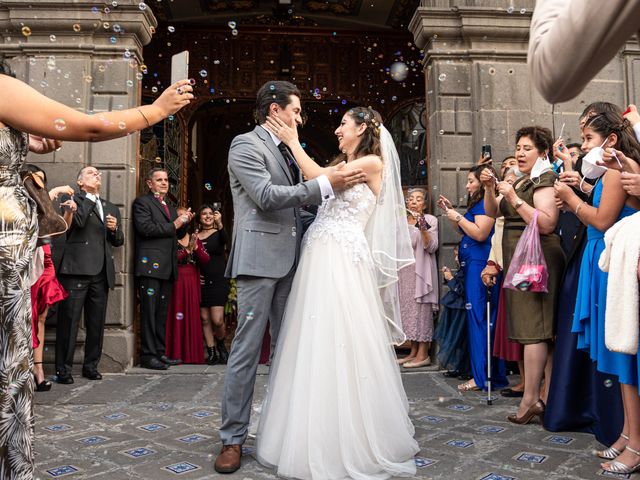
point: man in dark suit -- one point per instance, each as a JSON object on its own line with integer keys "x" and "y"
{"x": 87, "y": 272}
{"x": 158, "y": 228}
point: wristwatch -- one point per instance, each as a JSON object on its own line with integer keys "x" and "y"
{"x": 518, "y": 204}
{"x": 457, "y": 218}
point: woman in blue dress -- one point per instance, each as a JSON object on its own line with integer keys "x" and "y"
{"x": 580, "y": 399}
{"x": 610, "y": 204}
{"x": 477, "y": 229}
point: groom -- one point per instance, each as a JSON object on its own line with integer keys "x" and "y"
{"x": 268, "y": 192}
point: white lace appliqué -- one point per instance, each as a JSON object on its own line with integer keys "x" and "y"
{"x": 343, "y": 219}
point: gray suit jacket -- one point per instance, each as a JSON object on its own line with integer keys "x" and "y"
{"x": 268, "y": 223}
{"x": 570, "y": 41}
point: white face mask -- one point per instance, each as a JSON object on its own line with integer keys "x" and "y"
{"x": 590, "y": 168}
{"x": 542, "y": 165}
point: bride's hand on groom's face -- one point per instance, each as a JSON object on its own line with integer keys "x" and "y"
{"x": 342, "y": 179}
{"x": 280, "y": 129}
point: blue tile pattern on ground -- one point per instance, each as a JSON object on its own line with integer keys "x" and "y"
{"x": 182, "y": 467}
{"x": 62, "y": 471}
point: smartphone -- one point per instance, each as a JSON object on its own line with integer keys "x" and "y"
{"x": 486, "y": 151}
{"x": 216, "y": 206}
{"x": 179, "y": 66}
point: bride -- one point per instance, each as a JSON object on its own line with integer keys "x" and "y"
{"x": 335, "y": 406}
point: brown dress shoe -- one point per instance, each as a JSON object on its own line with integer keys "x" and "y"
{"x": 228, "y": 460}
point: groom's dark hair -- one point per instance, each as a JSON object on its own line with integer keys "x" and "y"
{"x": 275, "y": 91}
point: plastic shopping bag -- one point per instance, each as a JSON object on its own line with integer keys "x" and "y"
{"x": 528, "y": 268}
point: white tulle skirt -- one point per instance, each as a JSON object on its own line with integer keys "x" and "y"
{"x": 335, "y": 406}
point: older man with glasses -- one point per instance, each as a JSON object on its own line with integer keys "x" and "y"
{"x": 87, "y": 272}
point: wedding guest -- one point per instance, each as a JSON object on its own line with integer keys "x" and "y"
{"x": 158, "y": 228}
{"x": 517, "y": 203}
{"x": 581, "y": 36}
{"x": 492, "y": 275}
{"x": 451, "y": 332}
{"x": 418, "y": 286}
{"x": 184, "y": 328}
{"x": 46, "y": 291}
{"x": 574, "y": 376}
{"x": 215, "y": 287}
{"x": 20, "y": 132}
{"x": 476, "y": 228}
{"x": 610, "y": 204}
{"x": 87, "y": 272}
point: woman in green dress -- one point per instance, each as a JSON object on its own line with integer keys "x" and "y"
{"x": 531, "y": 315}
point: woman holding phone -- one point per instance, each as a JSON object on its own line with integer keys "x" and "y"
{"x": 419, "y": 285}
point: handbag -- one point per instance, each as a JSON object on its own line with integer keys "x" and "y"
{"x": 50, "y": 223}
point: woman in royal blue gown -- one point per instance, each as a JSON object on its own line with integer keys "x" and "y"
{"x": 477, "y": 229}
{"x": 581, "y": 399}
{"x": 610, "y": 204}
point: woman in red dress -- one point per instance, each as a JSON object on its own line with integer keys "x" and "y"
{"x": 184, "y": 328}
{"x": 46, "y": 291}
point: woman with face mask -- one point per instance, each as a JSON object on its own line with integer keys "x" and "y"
{"x": 531, "y": 316}
{"x": 611, "y": 203}
{"x": 575, "y": 377}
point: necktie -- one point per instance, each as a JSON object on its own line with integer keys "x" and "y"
{"x": 291, "y": 162}
{"x": 164, "y": 205}
{"x": 99, "y": 208}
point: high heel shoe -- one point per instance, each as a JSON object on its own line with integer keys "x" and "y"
{"x": 535, "y": 410}
{"x": 611, "y": 452}
{"x": 43, "y": 386}
{"x": 614, "y": 466}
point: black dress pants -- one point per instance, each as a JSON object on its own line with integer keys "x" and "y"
{"x": 88, "y": 292}
{"x": 155, "y": 295}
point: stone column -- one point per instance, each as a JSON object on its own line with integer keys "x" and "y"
{"x": 89, "y": 57}
{"x": 478, "y": 89}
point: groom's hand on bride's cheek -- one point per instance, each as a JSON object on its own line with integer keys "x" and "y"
{"x": 342, "y": 179}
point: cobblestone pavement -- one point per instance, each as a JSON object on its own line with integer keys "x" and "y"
{"x": 148, "y": 425}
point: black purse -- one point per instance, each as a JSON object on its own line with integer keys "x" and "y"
{"x": 50, "y": 223}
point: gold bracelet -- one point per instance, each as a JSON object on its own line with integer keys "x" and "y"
{"x": 144, "y": 116}
{"x": 579, "y": 207}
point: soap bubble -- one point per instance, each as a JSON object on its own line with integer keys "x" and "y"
{"x": 179, "y": 316}
{"x": 468, "y": 306}
{"x": 399, "y": 71}
{"x": 142, "y": 6}
{"x": 59, "y": 124}
{"x": 234, "y": 32}
{"x": 442, "y": 77}
{"x": 510, "y": 9}
{"x": 154, "y": 89}
{"x": 144, "y": 259}
{"x": 203, "y": 73}
{"x": 76, "y": 27}
{"x": 232, "y": 24}
{"x": 52, "y": 38}
{"x": 608, "y": 383}
{"x": 156, "y": 265}
{"x": 26, "y": 31}
{"x": 171, "y": 29}
{"x": 122, "y": 125}
{"x": 151, "y": 292}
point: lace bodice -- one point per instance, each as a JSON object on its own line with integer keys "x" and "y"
{"x": 343, "y": 219}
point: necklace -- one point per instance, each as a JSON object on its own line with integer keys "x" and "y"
{"x": 206, "y": 229}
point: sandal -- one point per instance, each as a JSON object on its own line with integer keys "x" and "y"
{"x": 469, "y": 386}
{"x": 611, "y": 452}
{"x": 617, "y": 467}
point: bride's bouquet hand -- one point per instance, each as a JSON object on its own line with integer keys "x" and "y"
{"x": 281, "y": 130}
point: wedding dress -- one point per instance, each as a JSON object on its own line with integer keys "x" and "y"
{"x": 336, "y": 407}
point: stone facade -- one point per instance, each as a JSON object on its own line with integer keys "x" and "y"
{"x": 88, "y": 58}
{"x": 478, "y": 90}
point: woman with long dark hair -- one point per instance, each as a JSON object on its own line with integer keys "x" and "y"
{"x": 476, "y": 228}
{"x": 334, "y": 359}
{"x": 610, "y": 203}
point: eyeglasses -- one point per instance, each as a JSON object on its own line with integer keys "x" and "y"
{"x": 574, "y": 154}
